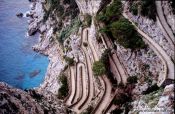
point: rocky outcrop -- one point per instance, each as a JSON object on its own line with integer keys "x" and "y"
{"x": 158, "y": 101}
{"x": 47, "y": 46}
{"x": 16, "y": 101}
{"x": 88, "y": 6}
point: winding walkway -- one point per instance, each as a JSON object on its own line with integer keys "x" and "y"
{"x": 164, "y": 24}
{"x": 81, "y": 73}
{"x": 168, "y": 73}
{"x": 106, "y": 96}
{"x": 121, "y": 73}
{"x": 72, "y": 77}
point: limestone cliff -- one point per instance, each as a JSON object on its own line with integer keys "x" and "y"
{"x": 16, "y": 101}
{"x": 105, "y": 56}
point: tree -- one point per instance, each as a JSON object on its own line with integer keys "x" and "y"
{"x": 148, "y": 9}
{"x": 117, "y": 111}
{"x": 70, "y": 61}
{"x": 88, "y": 20}
{"x": 63, "y": 90}
{"x": 125, "y": 34}
{"x": 151, "y": 89}
{"x": 132, "y": 79}
{"x": 99, "y": 68}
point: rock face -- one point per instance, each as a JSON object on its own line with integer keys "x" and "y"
{"x": 88, "y": 6}
{"x": 19, "y": 14}
{"x": 16, "y": 101}
{"x": 46, "y": 46}
{"x": 161, "y": 101}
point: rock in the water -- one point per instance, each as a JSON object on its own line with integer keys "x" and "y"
{"x": 19, "y": 14}
{"x": 32, "y": 0}
{"x": 32, "y": 31}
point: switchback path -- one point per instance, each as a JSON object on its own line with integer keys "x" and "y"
{"x": 72, "y": 77}
{"x": 168, "y": 73}
{"x": 164, "y": 23}
{"x": 106, "y": 96}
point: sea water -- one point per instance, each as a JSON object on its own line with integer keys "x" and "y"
{"x": 20, "y": 66}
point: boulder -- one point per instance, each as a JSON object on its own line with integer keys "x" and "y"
{"x": 19, "y": 14}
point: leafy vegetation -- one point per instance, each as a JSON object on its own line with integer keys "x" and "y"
{"x": 118, "y": 28}
{"x": 133, "y": 8}
{"x": 151, "y": 89}
{"x": 116, "y": 111}
{"x": 99, "y": 68}
{"x": 121, "y": 99}
{"x": 111, "y": 13}
{"x": 63, "y": 90}
{"x": 66, "y": 32}
{"x": 88, "y": 20}
{"x": 126, "y": 35}
{"x": 148, "y": 9}
{"x": 132, "y": 79}
{"x": 105, "y": 59}
{"x": 85, "y": 44}
{"x": 152, "y": 98}
{"x": 88, "y": 110}
{"x": 70, "y": 61}
{"x": 173, "y": 5}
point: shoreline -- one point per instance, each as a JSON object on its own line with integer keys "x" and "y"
{"x": 46, "y": 46}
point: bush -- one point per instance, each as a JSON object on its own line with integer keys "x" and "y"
{"x": 173, "y": 5}
{"x": 121, "y": 99}
{"x": 88, "y": 110}
{"x": 88, "y": 20}
{"x": 126, "y": 35}
{"x": 111, "y": 12}
{"x": 85, "y": 44}
{"x": 116, "y": 111}
{"x": 120, "y": 29}
{"x": 148, "y": 9}
{"x": 70, "y": 61}
{"x": 99, "y": 68}
{"x": 63, "y": 90}
{"x": 151, "y": 89}
{"x": 134, "y": 8}
{"x": 132, "y": 79}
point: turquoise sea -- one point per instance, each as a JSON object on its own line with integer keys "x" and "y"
{"x": 20, "y": 66}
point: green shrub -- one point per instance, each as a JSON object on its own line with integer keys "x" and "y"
{"x": 88, "y": 110}
{"x": 88, "y": 20}
{"x": 70, "y": 61}
{"x": 151, "y": 89}
{"x": 121, "y": 99}
{"x": 85, "y": 44}
{"x": 116, "y": 111}
{"x": 104, "y": 30}
{"x": 99, "y": 68}
{"x": 134, "y": 8}
{"x": 63, "y": 90}
{"x": 111, "y": 12}
{"x": 148, "y": 9}
{"x": 119, "y": 29}
{"x": 132, "y": 79}
{"x": 173, "y": 5}
{"x": 126, "y": 35}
